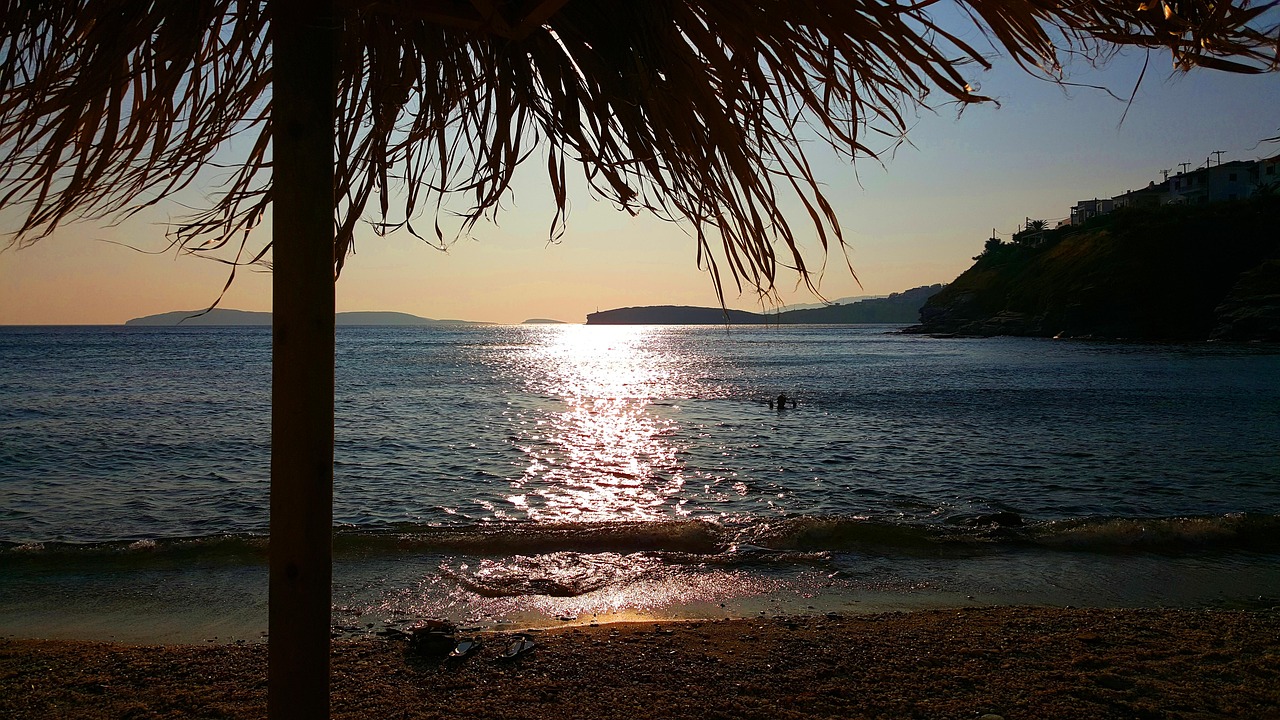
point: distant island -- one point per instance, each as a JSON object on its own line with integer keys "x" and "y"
{"x": 901, "y": 308}
{"x": 1171, "y": 272}
{"x": 837, "y": 301}
{"x": 542, "y": 321}
{"x": 225, "y": 317}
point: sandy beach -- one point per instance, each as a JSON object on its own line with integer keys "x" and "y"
{"x": 1013, "y": 662}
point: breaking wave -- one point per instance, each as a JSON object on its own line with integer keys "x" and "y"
{"x": 798, "y": 539}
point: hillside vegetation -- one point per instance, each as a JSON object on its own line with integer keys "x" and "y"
{"x": 1168, "y": 273}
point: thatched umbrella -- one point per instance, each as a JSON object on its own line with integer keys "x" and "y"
{"x": 691, "y": 109}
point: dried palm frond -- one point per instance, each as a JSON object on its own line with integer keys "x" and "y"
{"x": 693, "y": 109}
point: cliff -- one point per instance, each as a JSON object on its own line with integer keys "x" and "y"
{"x": 1177, "y": 273}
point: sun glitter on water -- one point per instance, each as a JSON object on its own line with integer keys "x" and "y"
{"x": 601, "y": 449}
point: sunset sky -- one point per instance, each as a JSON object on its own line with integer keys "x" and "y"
{"x": 917, "y": 220}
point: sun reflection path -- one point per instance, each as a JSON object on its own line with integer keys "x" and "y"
{"x": 604, "y": 451}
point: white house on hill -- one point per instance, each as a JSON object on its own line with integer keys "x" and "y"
{"x": 1233, "y": 180}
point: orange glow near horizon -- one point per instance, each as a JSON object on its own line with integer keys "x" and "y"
{"x": 919, "y": 220}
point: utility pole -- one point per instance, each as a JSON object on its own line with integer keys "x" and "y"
{"x": 1184, "y": 167}
{"x": 1165, "y": 173}
{"x": 1219, "y": 154}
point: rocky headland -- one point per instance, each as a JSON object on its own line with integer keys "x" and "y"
{"x": 1171, "y": 273}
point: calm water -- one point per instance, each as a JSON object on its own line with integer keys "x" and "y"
{"x": 527, "y": 473}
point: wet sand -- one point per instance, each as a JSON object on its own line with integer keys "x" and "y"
{"x": 962, "y": 663}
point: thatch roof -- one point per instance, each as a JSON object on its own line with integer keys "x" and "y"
{"x": 693, "y": 109}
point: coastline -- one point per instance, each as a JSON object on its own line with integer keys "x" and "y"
{"x": 953, "y": 663}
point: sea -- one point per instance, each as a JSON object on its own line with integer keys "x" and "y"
{"x": 544, "y": 475}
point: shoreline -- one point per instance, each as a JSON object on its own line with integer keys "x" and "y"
{"x": 172, "y": 594}
{"x": 954, "y": 663}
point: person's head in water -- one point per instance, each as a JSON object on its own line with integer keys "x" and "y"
{"x": 782, "y": 400}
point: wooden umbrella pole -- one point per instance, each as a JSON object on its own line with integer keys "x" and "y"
{"x": 303, "y": 37}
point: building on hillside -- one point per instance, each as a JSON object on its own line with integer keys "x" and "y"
{"x": 1266, "y": 172}
{"x": 1086, "y": 209}
{"x": 1153, "y": 195}
{"x": 1235, "y": 180}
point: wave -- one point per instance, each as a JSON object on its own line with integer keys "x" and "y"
{"x": 1176, "y": 535}
{"x": 1169, "y": 535}
{"x": 798, "y": 539}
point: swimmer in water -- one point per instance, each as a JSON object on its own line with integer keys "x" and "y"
{"x": 782, "y": 402}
